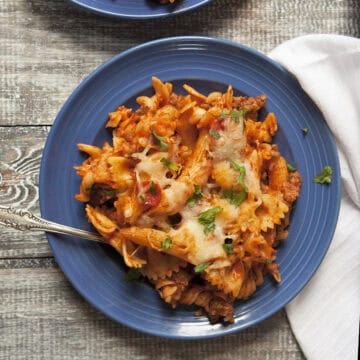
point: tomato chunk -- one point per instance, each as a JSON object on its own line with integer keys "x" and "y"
{"x": 217, "y": 125}
{"x": 150, "y": 194}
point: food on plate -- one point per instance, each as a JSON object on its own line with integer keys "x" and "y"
{"x": 193, "y": 194}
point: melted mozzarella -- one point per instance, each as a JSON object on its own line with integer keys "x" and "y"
{"x": 252, "y": 180}
{"x": 150, "y": 167}
{"x": 177, "y": 190}
{"x": 206, "y": 247}
{"x": 231, "y": 146}
{"x": 232, "y": 141}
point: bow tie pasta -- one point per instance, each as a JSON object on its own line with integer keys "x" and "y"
{"x": 193, "y": 194}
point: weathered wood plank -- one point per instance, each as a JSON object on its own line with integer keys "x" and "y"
{"x": 20, "y": 156}
{"x": 42, "y": 317}
{"x": 25, "y": 263}
{"x": 47, "y": 47}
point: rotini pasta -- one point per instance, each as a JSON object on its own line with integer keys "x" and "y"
{"x": 193, "y": 194}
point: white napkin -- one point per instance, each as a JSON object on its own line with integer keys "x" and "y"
{"x": 325, "y": 315}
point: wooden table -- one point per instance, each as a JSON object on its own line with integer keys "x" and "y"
{"x": 46, "y": 49}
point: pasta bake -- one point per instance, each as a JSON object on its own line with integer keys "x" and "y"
{"x": 193, "y": 194}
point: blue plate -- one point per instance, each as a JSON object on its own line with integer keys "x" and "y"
{"x": 97, "y": 271}
{"x": 138, "y": 9}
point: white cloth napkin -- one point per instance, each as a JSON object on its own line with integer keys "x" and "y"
{"x": 325, "y": 315}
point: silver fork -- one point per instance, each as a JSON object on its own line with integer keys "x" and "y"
{"x": 24, "y": 220}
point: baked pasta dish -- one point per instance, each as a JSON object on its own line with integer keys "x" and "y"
{"x": 193, "y": 194}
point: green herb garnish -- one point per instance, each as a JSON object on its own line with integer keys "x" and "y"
{"x": 265, "y": 261}
{"x": 214, "y": 134}
{"x": 166, "y": 244}
{"x": 305, "y": 130}
{"x": 234, "y": 197}
{"x": 152, "y": 188}
{"x": 325, "y": 176}
{"x": 242, "y": 173}
{"x": 201, "y": 267}
{"x": 142, "y": 198}
{"x": 106, "y": 191}
{"x": 223, "y": 114}
{"x": 237, "y": 115}
{"x": 195, "y": 196}
{"x": 89, "y": 188}
{"x": 228, "y": 248}
{"x": 133, "y": 275}
{"x": 110, "y": 192}
{"x": 160, "y": 141}
{"x": 207, "y": 219}
{"x": 291, "y": 168}
{"x": 169, "y": 164}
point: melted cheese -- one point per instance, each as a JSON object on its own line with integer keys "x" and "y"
{"x": 232, "y": 141}
{"x": 252, "y": 179}
{"x": 177, "y": 190}
{"x": 206, "y": 247}
{"x": 150, "y": 167}
{"x": 231, "y": 146}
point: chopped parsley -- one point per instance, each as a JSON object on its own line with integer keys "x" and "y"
{"x": 160, "y": 141}
{"x": 89, "y": 188}
{"x": 228, "y": 248}
{"x": 207, "y": 219}
{"x": 166, "y": 244}
{"x": 265, "y": 261}
{"x": 152, "y": 188}
{"x": 142, "y": 198}
{"x": 110, "y": 192}
{"x": 214, "y": 134}
{"x": 223, "y": 114}
{"x": 105, "y": 191}
{"x": 234, "y": 197}
{"x": 268, "y": 261}
{"x": 133, "y": 275}
{"x": 169, "y": 164}
{"x": 237, "y": 115}
{"x": 291, "y": 168}
{"x": 325, "y": 176}
{"x": 201, "y": 267}
{"x": 305, "y": 130}
{"x": 195, "y": 196}
{"x": 242, "y": 173}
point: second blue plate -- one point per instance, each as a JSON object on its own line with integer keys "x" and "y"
{"x": 138, "y": 9}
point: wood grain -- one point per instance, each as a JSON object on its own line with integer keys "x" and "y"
{"x": 42, "y": 317}
{"x": 47, "y": 47}
{"x": 20, "y": 156}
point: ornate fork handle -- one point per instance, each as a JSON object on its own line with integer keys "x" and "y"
{"x": 26, "y": 221}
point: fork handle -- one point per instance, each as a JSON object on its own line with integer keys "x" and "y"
{"x": 24, "y": 220}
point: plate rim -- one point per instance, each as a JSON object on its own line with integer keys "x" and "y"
{"x": 125, "y": 16}
{"x": 224, "y": 331}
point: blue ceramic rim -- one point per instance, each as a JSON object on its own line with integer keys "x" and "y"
{"x": 94, "y": 10}
{"x": 208, "y": 40}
